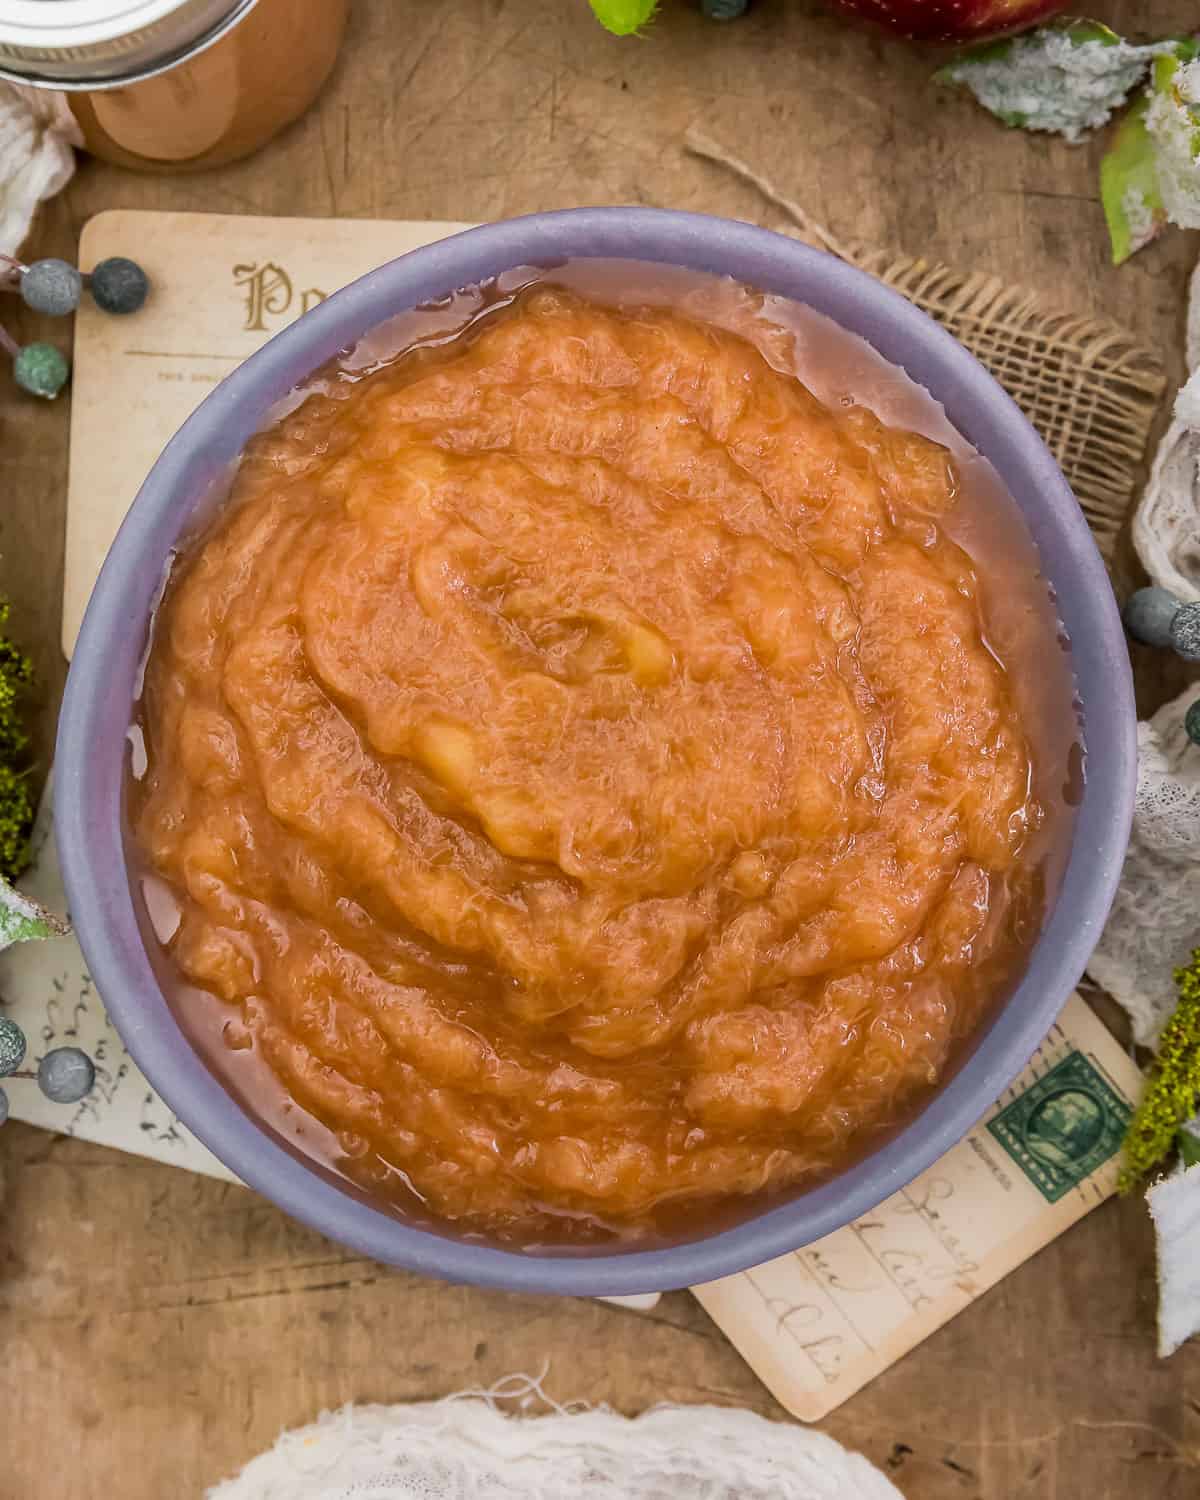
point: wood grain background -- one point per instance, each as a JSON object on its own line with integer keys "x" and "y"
{"x": 157, "y": 1329}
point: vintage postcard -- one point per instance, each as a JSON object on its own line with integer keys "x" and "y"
{"x": 223, "y": 285}
{"x": 818, "y": 1324}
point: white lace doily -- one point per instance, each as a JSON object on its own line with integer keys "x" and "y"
{"x": 463, "y": 1448}
{"x": 1155, "y": 920}
{"x": 1166, "y": 524}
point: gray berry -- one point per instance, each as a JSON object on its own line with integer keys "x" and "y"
{"x": 1148, "y": 614}
{"x": 52, "y": 287}
{"x": 1191, "y": 722}
{"x": 1185, "y": 631}
{"x": 3, "y": 1107}
{"x": 12, "y": 1046}
{"x": 119, "y": 285}
{"x": 66, "y": 1075}
{"x": 41, "y": 370}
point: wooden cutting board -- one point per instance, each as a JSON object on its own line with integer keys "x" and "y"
{"x": 815, "y": 1325}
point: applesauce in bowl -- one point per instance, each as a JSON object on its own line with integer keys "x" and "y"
{"x": 596, "y": 783}
{"x": 473, "y": 1131}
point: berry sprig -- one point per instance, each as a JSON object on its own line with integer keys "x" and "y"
{"x": 65, "y": 1074}
{"x": 39, "y": 368}
{"x": 54, "y": 287}
{"x": 1156, "y": 617}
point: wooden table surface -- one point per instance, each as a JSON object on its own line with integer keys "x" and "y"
{"x": 157, "y": 1329}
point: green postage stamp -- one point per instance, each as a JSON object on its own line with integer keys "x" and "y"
{"x": 1063, "y": 1126}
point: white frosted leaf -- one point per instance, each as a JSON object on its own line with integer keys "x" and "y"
{"x": 1175, "y": 1207}
{"x": 22, "y": 919}
{"x": 1173, "y": 123}
{"x": 1065, "y": 79}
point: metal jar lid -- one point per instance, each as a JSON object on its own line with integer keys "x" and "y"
{"x": 96, "y": 44}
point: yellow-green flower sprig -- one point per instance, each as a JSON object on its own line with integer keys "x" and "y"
{"x": 1172, "y": 1095}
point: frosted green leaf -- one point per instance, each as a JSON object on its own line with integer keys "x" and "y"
{"x": 22, "y": 919}
{"x": 1173, "y": 122}
{"x": 1066, "y": 79}
{"x": 1129, "y": 189}
{"x": 1151, "y": 174}
{"x": 1189, "y": 1147}
{"x": 624, "y": 17}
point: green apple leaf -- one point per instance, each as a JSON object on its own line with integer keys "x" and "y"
{"x": 1129, "y": 191}
{"x": 1090, "y": 31}
{"x": 624, "y": 17}
{"x": 1065, "y": 78}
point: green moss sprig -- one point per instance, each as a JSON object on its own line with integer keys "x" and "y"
{"x": 1172, "y": 1095}
{"x": 16, "y": 799}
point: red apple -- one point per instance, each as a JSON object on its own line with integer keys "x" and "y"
{"x": 952, "y": 20}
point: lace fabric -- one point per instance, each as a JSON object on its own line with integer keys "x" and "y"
{"x": 1154, "y": 923}
{"x": 1166, "y": 524}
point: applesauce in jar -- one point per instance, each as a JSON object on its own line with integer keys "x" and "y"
{"x": 598, "y": 777}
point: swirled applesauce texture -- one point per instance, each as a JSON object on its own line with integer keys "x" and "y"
{"x": 583, "y": 773}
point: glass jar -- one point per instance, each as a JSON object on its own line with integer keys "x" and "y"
{"x": 174, "y": 85}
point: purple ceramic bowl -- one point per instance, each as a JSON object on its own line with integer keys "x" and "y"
{"x": 97, "y": 710}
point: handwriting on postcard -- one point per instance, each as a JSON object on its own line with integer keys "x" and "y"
{"x": 818, "y": 1324}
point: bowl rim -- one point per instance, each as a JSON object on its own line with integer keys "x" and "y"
{"x": 90, "y": 755}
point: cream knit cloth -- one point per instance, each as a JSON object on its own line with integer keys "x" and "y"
{"x": 37, "y": 134}
{"x": 463, "y": 1448}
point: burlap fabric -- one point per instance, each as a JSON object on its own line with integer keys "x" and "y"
{"x": 1087, "y": 384}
